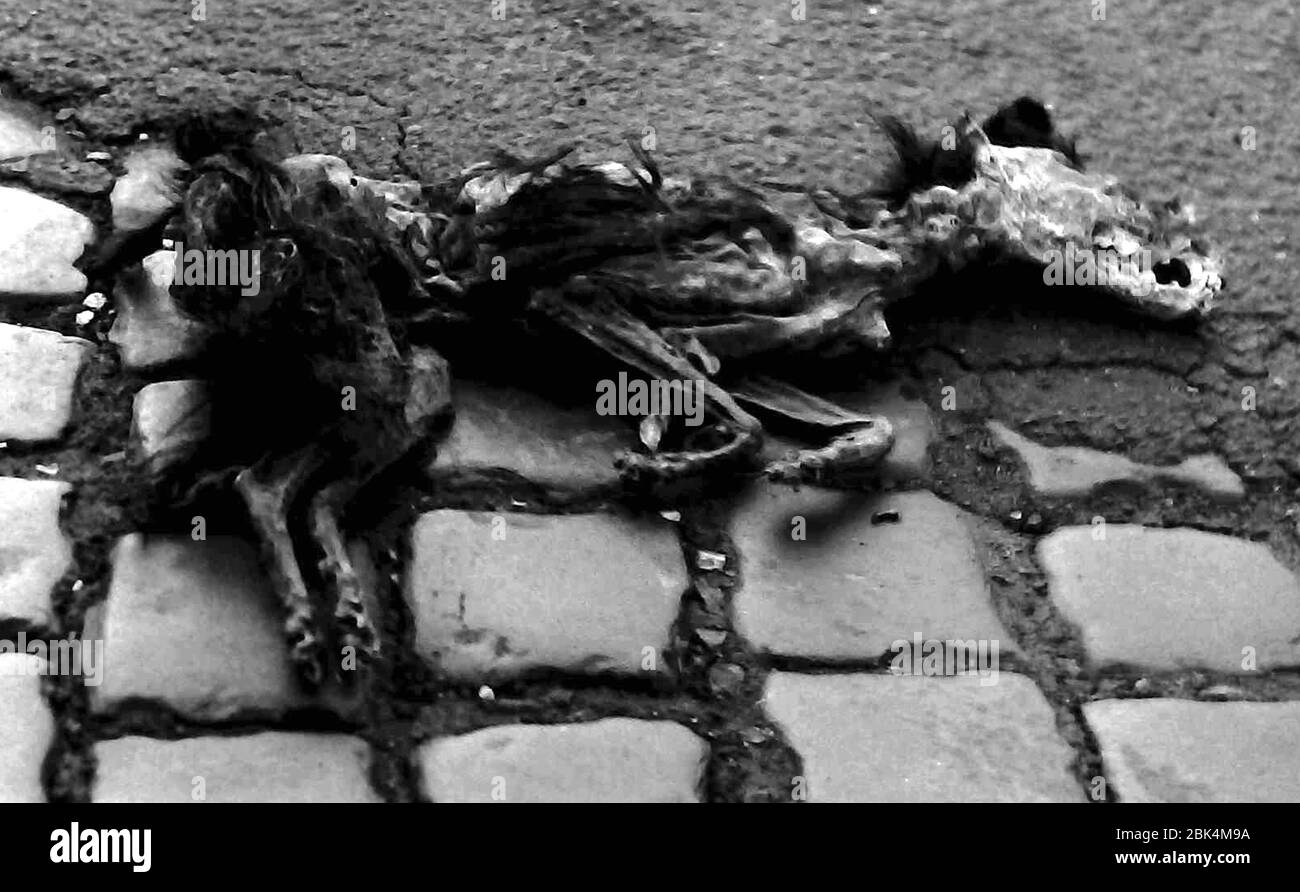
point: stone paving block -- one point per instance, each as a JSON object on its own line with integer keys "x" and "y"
{"x": 39, "y": 240}
{"x": 1160, "y": 750}
{"x": 908, "y": 458}
{"x": 19, "y": 133}
{"x": 496, "y": 595}
{"x": 1174, "y": 598}
{"x": 34, "y": 553}
{"x": 148, "y": 188}
{"x": 169, "y": 419}
{"x": 39, "y": 369}
{"x": 26, "y": 728}
{"x": 851, "y": 587}
{"x": 1074, "y": 470}
{"x": 611, "y": 760}
{"x": 881, "y": 738}
{"x": 267, "y": 767}
{"x": 503, "y": 428}
{"x": 193, "y": 624}
{"x": 150, "y": 330}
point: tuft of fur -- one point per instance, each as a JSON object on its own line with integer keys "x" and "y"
{"x": 920, "y": 163}
{"x": 279, "y": 362}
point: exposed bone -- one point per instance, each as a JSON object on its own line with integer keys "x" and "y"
{"x": 1027, "y": 204}
{"x": 784, "y": 400}
{"x": 631, "y": 341}
{"x": 846, "y": 456}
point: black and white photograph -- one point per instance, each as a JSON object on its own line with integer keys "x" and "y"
{"x": 884, "y": 403}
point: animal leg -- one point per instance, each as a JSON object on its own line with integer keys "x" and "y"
{"x": 846, "y": 456}
{"x": 355, "y": 631}
{"x": 856, "y": 442}
{"x": 388, "y": 438}
{"x": 269, "y": 489}
{"x": 609, "y": 326}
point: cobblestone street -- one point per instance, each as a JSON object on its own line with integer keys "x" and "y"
{"x": 1097, "y": 517}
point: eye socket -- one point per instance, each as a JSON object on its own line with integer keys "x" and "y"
{"x": 1167, "y": 272}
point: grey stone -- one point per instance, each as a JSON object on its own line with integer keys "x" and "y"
{"x": 502, "y": 428}
{"x": 1158, "y": 750}
{"x": 39, "y": 369}
{"x": 150, "y": 330}
{"x": 266, "y": 767}
{"x": 495, "y": 595}
{"x": 26, "y": 728}
{"x": 34, "y": 552}
{"x": 880, "y": 738}
{"x": 149, "y": 188}
{"x": 19, "y": 135}
{"x": 1075, "y": 470}
{"x": 850, "y": 588}
{"x": 170, "y": 419}
{"x": 39, "y": 241}
{"x": 193, "y": 624}
{"x": 1174, "y": 598}
{"x": 611, "y": 760}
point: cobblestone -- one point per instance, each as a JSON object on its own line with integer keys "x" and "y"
{"x": 496, "y": 595}
{"x": 39, "y": 240}
{"x": 502, "y": 428}
{"x": 149, "y": 330}
{"x": 266, "y": 767}
{"x": 853, "y": 585}
{"x": 1160, "y": 750}
{"x": 1076, "y": 471}
{"x": 194, "y": 625}
{"x": 19, "y": 135}
{"x": 611, "y": 760}
{"x": 34, "y": 553}
{"x": 880, "y": 738}
{"x": 169, "y": 419}
{"x": 26, "y": 728}
{"x": 39, "y": 369}
{"x": 1174, "y": 598}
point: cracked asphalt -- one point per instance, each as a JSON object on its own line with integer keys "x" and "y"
{"x": 1201, "y": 103}
{"x": 420, "y": 89}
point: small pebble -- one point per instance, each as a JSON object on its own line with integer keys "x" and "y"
{"x": 78, "y": 585}
{"x": 85, "y": 317}
{"x": 98, "y": 156}
{"x": 95, "y": 301}
{"x": 47, "y": 470}
{"x": 1016, "y": 515}
{"x": 710, "y": 560}
{"x": 711, "y": 637}
{"x": 486, "y": 693}
{"x": 1223, "y": 692}
{"x": 674, "y": 516}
